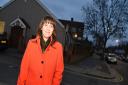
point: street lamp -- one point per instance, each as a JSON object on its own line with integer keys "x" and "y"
{"x": 117, "y": 42}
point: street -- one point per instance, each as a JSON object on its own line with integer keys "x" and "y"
{"x": 122, "y": 68}
{"x": 9, "y": 64}
{"x": 8, "y": 74}
{"x": 79, "y": 79}
{"x": 75, "y": 79}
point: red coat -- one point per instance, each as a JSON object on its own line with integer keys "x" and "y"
{"x": 39, "y": 68}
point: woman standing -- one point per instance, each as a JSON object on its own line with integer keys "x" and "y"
{"x": 42, "y": 63}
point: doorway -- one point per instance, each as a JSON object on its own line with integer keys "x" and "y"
{"x": 15, "y": 36}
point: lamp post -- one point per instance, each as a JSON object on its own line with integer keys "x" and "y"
{"x": 117, "y": 42}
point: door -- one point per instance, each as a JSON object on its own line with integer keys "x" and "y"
{"x": 16, "y": 36}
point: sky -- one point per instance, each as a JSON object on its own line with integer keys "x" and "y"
{"x": 3, "y": 2}
{"x": 63, "y": 9}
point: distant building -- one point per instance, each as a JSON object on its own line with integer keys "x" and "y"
{"x": 74, "y": 36}
{"x": 75, "y": 28}
{"x": 21, "y": 19}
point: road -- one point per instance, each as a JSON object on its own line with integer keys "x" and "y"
{"x": 9, "y": 67}
{"x": 122, "y": 68}
{"x": 76, "y": 79}
{"x": 80, "y": 79}
{"x": 8, "y": 74}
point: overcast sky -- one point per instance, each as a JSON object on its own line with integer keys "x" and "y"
{"x": 66, "y": 9}
{"x": 63, "y": 9}
{"x": 3, "y": 2}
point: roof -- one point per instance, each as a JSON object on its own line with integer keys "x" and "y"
{"x": 72, "y": 23}
{"x": 41, "y": 4}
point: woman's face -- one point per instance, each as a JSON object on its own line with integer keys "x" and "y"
{"x": 47, "y": 29}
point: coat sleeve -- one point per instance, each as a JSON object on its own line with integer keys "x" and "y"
{"x": 59, "y": 68}
{"x": 24, "y": 66}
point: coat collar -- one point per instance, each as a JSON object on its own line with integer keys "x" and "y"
{"x": 37, "y": 40}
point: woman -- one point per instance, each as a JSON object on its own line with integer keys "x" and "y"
{"x": 42, "y": 63}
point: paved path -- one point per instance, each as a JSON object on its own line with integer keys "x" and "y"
{"x": 94, "y": 67}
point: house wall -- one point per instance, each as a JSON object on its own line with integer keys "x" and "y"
{"x": 32, "y": 13}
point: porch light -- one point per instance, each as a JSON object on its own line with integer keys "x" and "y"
{"x": 75, "y": 35}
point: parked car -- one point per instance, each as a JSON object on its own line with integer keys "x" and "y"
{"x": 3, "y": 42}
{"x": 110, "y": 58}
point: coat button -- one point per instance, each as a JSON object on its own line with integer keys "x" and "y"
{"x": 42, "y": 62}
{"x": 40, "y": 76}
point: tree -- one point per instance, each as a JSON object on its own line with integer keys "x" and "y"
{"x": 105, "y": 19}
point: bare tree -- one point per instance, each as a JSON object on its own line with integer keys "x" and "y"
{"x": 105, "y": 19}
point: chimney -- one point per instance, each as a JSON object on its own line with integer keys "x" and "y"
{"x": 72, "y": 19}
